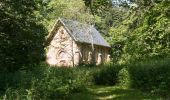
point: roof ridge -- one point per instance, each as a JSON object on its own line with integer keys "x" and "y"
{"x": 67, "y": 29}
{"x": 81, "y": 32}
{"x": 74, "y": 21}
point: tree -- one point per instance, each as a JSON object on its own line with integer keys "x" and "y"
{"x": 144, "y": 33}
{"x": 21, "y": 34}
{"x": 65, "y": 9}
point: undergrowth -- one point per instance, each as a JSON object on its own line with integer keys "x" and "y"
{"x": 48, "y": 83}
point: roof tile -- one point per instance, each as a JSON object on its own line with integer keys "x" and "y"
{"x": 84, "y": 33}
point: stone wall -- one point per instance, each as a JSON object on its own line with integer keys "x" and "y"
{"x": 100, "y": 55}
{"x": 64, "y": 51}
{"x": 60, "y": 52}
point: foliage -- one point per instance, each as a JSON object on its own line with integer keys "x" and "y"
{"x": 153, "y": 76}
{"x": 124, "y": 79}
{"x": 65, "y": 9}
{"x": 138, "y": 31}
{"x": 21, "y": 34}
{"x": 112, "y": 93}
{"x": 98, "y": 6}
{"x": 107, "y": 75}
{"x": 144, "y": 33}
{"x": 102, "y": 12}
{"x": 57, "y": 84}
{"x": 44, "y": 83}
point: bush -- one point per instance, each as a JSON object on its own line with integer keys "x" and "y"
{"x": 107, "y": 75}
{"x": 22, "y": 35}
{"x": 45, "y": 83}
{"x": 59, "y": 82}
{"x": 153, "y": 76}
{"x": 124, "y": 78}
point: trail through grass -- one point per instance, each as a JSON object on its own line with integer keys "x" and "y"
{"x": 112, "y": 93}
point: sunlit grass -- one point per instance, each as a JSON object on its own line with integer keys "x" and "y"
{"x": 112, "y": 93}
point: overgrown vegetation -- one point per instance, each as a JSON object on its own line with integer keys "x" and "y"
{"x": 153, "y": 76}
{"x": 107, "y": 75}
{"x": 21, "y": 34}
{"x": 44, "y": 82}
{"x": 47, "y": 82}
{"x": 143, "y": 34}
{"x": 138, "y": 31}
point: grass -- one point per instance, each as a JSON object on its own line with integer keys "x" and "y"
{"x": 112, "y": 93}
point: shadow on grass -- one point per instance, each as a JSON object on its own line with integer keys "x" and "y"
{"x": 112, "y": 93}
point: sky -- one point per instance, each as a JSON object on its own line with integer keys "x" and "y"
{"x": 117, "y": 2}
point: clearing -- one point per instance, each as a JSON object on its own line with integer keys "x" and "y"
{"x": 112, "y": 93}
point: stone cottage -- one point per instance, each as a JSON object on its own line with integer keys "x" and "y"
{"x": 71, "y": 43}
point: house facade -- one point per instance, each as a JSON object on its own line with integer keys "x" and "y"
{"x": 71, "y": 43}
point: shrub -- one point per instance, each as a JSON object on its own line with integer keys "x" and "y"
{"x": 124, "y": 78}
{"x": 153, "y": 76}
{"x": 22, "y": 35}
{"x": 107, "y": 75}
{"x": 45, "y": 82}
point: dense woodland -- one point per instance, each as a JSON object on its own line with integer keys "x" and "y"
{"x": 138, "y": 31}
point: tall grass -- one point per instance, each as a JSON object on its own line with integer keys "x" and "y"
{"x": 153, "y": 76}
{"x": 44, "y": 82}
{"x": 107, "y": 75}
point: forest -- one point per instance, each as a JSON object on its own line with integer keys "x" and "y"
{"x": 137, "y": 30}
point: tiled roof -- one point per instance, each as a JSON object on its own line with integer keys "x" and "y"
{"x": 83, "y": 33}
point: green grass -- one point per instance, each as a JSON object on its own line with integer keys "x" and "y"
{"x": 112, "y": 93}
